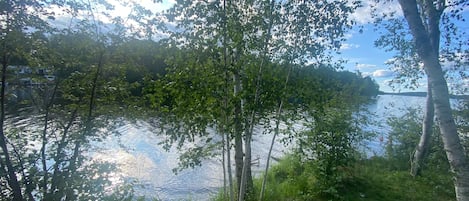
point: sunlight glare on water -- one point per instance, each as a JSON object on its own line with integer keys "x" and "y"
{"x": 139, "y": 157}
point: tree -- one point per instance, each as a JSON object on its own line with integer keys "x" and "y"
{"x": 404, "y": 64}
{"x": 16, "y": 16}
{"x": 88, "y": 92}
{"x": 423, "y": 19}
{"x": 239, "y": 40}
{"x": 427, "y": 127}
{"x": 403, "y": 138}
{"x": 462, "y": 120}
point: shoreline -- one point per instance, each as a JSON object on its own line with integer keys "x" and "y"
{"x": 422, "y": 94}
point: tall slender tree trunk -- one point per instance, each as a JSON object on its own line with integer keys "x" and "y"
{"x": 452, "y": 144}
{"x": 246, "y": 181}
{"x": 230, "y": 175}
{"x": 223, "y": 162}
{"x": 45, "y": 140}
{"x": 276, "y": 132}
{"x": 227, "y": 112}
{"x": 246, "y": 174}
{"x": 12, "y": 178}
{"x": 432, "y": 27}
{"x": 28, "y": 184}
{"x": 57, "y": 176}
{"x": 238, "y": 131}
{"x": 424, "y": 143}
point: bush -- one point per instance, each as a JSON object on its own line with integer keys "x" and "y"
{"x": 403, "y": 139}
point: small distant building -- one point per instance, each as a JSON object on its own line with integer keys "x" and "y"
{"x": 27, "y": 81}
{"x": 49, "y": 77}
{"x": 13, "y": 68}
{"x": 43, "y": 71}
{"x": 24, "y": 70}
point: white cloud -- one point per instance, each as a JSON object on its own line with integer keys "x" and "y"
{"x": 349, "y": 35}
{"x": 363, "y": 15}
{"x": 347, "y": 46}
{"x": 390, "y": 61}
{"x": 367, "y": 74}
{"x": 387, "y": 81}
{"x": 383, "y": 73}
{"x": 364, "y": 66}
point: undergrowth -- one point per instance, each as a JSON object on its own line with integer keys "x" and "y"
{"x": 374, "y": 179}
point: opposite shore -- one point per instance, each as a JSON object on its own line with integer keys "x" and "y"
{"x": 420, "y": 94}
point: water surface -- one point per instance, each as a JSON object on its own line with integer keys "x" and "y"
{"x": 140, "y": 157}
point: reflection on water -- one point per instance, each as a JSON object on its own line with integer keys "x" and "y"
{"x": 140, "y": 157}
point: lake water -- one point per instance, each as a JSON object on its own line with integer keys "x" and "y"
{"x": 140, "y": 157}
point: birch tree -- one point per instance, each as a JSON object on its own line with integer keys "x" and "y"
{"x": 424, "y": 20}
{"x": 238, "y": 40}
{"x": 410, "y": 67}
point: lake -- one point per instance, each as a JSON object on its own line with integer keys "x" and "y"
{"x": 139, "y": 156}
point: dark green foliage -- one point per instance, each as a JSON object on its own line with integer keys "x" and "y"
{"x": 289, "y": 179}
{"x": 369, "y": 87}
{"x": 188, "y": 101}
{"x": 403, "y": 139}
{"x": 462, "y": 120}
{"x": 330, "y": 146}
{"x": 324, "y": 86}
{"x": 367, "y": 180}
{"x": 374, "y": 180}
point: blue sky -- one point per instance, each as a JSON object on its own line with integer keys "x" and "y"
{"x": 359, "y": 49}
{"x": 363, "y": 56}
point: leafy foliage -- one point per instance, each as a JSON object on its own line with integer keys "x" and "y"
{"x": 331, "y": 146}
{"x": 404, "y": 137}
{"x": 461, "y": 118}
{"x": 53, "y": 122}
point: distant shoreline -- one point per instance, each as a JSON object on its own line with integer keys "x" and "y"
{"x": 420, "y": 94}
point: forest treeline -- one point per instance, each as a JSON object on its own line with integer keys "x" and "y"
{"x": 72, "y": 72}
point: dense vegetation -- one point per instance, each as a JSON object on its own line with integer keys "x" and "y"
{"x": 72, "y": 72}
{"x": 381, "y": 177}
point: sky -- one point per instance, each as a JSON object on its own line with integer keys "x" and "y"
{"x": 358, "y": 49}
{"x": 363, "y": 56}
{"x": 361, "y": 53}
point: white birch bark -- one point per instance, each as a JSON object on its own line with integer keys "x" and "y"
{"x": 452, "y": 144}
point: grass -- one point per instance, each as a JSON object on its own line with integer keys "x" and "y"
{"x": 380, "y": 182}
{"x": 373, "y": 179}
